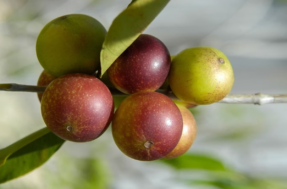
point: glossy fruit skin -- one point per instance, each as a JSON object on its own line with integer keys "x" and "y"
{"x": 71, "y": 44}
{"x": 77, "y": 107}
{"x": 142, "y": 67}
{"x": 188, "y": 133}
{"x": 201, "y": 75}
{"x": 147, "y": 126}
{"x": 44, "y": 80}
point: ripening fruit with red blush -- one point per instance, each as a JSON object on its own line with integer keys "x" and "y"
{"x": 147, "y": 126}
{"x": 77, "y": 107}
{"x": 188, "y": 133}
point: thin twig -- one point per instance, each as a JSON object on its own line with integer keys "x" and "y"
{"x": 257, "y": 99}
{"x": 21, "y": 88}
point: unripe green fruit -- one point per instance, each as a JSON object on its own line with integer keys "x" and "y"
{"x": 201, "y": 75}
{"x": 71, "y": 44}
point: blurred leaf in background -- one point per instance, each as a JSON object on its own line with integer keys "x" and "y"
{"x": 211, "y": 171}
{"x": 196, "y": 161}
{"x": 78, "y": 173}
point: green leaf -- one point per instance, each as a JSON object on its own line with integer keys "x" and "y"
{"x": 239, "y": 181}
{"x": 132, "y": 2}
{"x": 28, "y": 154}
{"x": 126, "y": 27}
{"x": 196, "y": 161}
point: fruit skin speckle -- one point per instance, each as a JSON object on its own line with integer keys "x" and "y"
{"x": 142, "y": 67}
{"x": 80, "y": 102}
{"x": 147, "y": 126}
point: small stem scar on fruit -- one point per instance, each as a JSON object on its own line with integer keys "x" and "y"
{"x": 221, "y": 60}
{"x": 148, "y": 144}
{"x": 257, "y": 99}
{"x": 69, "y": 128}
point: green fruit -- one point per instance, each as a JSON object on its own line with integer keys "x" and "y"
{"x": 201, "y": 75}
{"x": 71, "y": 44}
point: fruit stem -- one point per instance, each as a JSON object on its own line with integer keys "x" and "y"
{"x": 257, "y": 99}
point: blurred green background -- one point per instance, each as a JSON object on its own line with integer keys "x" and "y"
{"x": 237, "y": 146}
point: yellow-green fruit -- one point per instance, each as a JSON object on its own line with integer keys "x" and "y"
{"x": 71, "y": 44}
{"x": 201, "y": 75}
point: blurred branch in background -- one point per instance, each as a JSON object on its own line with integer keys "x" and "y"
{"x": 257, "y": 99}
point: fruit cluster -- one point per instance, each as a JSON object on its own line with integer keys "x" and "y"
{"x": 148, "y": 125}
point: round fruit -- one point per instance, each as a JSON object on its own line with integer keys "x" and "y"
{"x": 44, "y": 80}
{"x": 201, "y": 75}
{"x": 77, "y": 107}
{"x": 188, "y": 133}
{"x": 142, "y": 67}
{"x": 71, "y": 44}
{"x": 147, "y": 126}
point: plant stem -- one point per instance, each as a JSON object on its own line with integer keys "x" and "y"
{"x": 21, "y": 88}
{"x": 257, "y": 99}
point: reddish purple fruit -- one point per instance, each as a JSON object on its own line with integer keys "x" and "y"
{"x": 142, "y": 67}
{"x": 77, "y": 107}
{"x": 147, "y": 126}
{"x": 44, "y": 80}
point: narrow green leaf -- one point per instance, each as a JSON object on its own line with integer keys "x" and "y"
{"x": 132, "y": 2}
{"x": 238, "y": 181}
{"x": 28, "y": 154}
{"x": 126, "y": 27}
{"x": 195, "y": 161}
